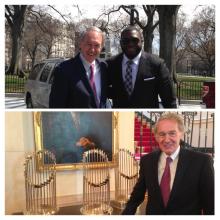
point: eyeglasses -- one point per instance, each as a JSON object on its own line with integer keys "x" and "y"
{"x": 130, "y": 40}
{"x": 170, "y": 134}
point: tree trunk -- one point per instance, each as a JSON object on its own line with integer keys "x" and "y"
{"x": 148, "y": 39}
{"x": 167, "y": 29}
{"x": 15, "y": 64}
{"x": 15, "y": 18}
{"x": 149, "y": 28}
{"x": 33, "y": 58}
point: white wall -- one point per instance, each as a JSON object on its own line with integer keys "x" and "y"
{"x": 19, "y": 141}
{"x": 14, "y": 155}
{"x": 126, "y": 130}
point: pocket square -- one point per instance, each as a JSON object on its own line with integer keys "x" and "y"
{"x": 151, "y": 78}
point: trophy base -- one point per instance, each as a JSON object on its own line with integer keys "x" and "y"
{"x": 43, "y": 210}
{"x": 120, "y": 203}
{"x": 96, "y": 209}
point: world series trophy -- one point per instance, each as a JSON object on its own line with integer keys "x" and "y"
{"x": 126, "y": 175}
{"x": 96, "y": 183}
{"x": 40, "y": 183}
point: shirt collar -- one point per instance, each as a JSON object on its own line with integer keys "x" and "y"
{"x": 86, "y": 64}
{"x": 135, "y": 60}
{"x": 174, "y": 155}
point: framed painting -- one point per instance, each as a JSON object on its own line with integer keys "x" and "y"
{"x": 69, "y": 134}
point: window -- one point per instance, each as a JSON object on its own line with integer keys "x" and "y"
{"x": 46, "y": 71}
{"x": 52, "y": 74}
{"x": 37, "y": 68}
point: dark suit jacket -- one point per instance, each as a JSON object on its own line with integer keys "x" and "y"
{"x": 192, "y": 191}
{"x": 71, "y": 87}
{"x": 153, "y": 79}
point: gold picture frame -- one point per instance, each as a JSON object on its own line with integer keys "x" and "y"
{"x": 53, "y": 131}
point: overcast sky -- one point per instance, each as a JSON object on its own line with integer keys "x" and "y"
{"x": 93, "y": 11}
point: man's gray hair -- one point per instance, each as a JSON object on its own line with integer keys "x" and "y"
{"x": 173, "y": 116}
{"x": 90, "y": 29}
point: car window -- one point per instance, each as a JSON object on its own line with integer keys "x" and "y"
{"x": 46, "y": 71}
{"x": 37, "y": 68}
{"x": 52, "y": 74}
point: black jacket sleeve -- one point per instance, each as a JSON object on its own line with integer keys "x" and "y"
{"x": 137, "y": 196}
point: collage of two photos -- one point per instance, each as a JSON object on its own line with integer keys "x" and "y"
{"x": 112, "y": 110}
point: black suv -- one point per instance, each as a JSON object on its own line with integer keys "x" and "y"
{"x": 38, "y": 85}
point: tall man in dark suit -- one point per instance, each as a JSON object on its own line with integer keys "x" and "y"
{"x": 81, "y": 82}
{"x": 178, "y": 181}
{"x": 138, "y": 78}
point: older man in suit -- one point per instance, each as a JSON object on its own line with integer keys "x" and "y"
{"x": 178, "y": 181}
{"x": 137, "y": 78}
{"x": 81, "y": 82}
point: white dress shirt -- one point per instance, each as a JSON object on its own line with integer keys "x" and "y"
{"x": 134, "y": 67}
{"x": 173, "y": 165}
{"x": 97, "y": 74}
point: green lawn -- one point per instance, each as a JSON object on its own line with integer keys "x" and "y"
{"x": 191, "y": 86}
{"x": 181, "y": 77}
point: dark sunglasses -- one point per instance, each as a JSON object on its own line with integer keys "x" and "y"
{"x": 130, "y": 40}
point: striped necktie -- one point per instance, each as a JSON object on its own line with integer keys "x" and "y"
{"x": 128, "y": 77}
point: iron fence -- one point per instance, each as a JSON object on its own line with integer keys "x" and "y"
{"x": 199, "y": 129}
{"x": 189, "y": 90}
{"x": 14, "y": 84}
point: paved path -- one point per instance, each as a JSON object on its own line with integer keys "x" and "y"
{"x": 14, "y": 101}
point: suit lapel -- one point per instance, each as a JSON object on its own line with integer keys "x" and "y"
{"x": 82, "y": 73}
{"x": 119, "y": 76}
{"x": 121, "y": 81}
{"x": 182, "y": 166}
{"x": 155, "y": 178}
{"x": 84, "y": 78}
{"x": 102, "y": 77}
{"x": 103, "y": 82}
{"x": 139, "y": 77}
{"x": 143, "y": 71}
{"x": 155, "y": 168}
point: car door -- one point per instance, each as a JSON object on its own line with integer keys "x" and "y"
{"x": 43, "y": 91}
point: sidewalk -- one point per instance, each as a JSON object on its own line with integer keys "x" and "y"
{"x": 191, "y": 104}
{"x": 14, "y": 100}
{"x": 20, "y": 95}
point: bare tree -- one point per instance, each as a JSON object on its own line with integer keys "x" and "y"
{"x": 15, "y": 16}
{"x": 41, "y": 35}
{"x": 167, "y": 29}
{"x": 181, "y": 31}
{"x": 33, "y": 38}
{"x": 201, "y": 38}
{"x": 147, "y": 25}
{"x": 52, "y": 35}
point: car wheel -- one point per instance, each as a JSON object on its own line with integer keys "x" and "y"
{"x": 29, "y": 102}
